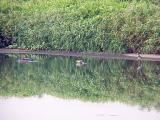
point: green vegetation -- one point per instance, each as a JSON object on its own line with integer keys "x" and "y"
{"x": 81, "y": 25}
{"x": 99, "y": 80}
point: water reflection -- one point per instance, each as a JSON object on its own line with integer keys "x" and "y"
{"x": 130, "y": 82}
{"x": 52, "y": 108}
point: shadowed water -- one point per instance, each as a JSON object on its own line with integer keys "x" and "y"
{"x": 131, "y": 83}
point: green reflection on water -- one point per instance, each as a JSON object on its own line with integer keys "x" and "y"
{"x": 99, "y": 80}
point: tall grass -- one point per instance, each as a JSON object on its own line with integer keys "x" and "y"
{"x": 82, "y": 25}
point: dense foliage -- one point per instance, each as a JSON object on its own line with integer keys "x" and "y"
{"x": 81, "y": 25}
{"x": 100, "y": 80}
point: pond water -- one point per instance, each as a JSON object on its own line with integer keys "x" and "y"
{"x": 53, "y": 87}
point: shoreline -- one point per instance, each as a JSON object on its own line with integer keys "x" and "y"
{"x": 100, "y": 55}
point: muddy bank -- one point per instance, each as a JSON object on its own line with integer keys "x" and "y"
{"x": 104, "y": 55}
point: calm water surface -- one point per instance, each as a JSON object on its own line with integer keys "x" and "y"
{"x": 53, "y": 87}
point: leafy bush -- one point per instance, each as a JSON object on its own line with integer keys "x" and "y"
{"x": 82, "y": 25}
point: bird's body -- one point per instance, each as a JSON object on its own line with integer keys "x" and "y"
{"x": 80, "y": 63}
{"x": 139, "y": 56}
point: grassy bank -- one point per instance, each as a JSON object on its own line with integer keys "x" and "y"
{"x": 81, "y": 25}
